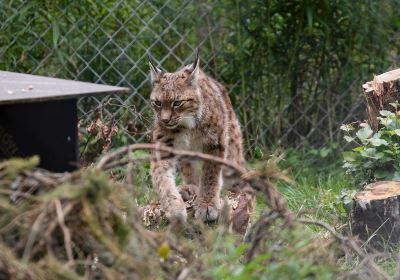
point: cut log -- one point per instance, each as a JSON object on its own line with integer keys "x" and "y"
{"x": 380, "y": 92}
{"x": 376, "y": 213}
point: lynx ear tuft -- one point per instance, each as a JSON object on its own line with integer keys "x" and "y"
{"x": 194, "y": 68}
{"x": 155, "y": 72}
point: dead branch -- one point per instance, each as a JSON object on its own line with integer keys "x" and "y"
{"x": 259, "y": 182}
{"x": 65, "y": 229}
{"x": 182, "y": 153}
{"x": 34, "y": 233}
{"x": 351, "y": 243}
{"x": 328, "y": 227}
{"x": 259, "y": 233}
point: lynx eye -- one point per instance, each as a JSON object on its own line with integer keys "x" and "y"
{"x": 177, "y": 103}
{"x": 156, "y": 103}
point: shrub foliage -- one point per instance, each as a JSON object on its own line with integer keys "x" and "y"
{"x": 377, "y": 155}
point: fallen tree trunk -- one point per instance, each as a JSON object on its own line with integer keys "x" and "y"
{"x": 376, "y": 213}
{"x": 380, "y": 92}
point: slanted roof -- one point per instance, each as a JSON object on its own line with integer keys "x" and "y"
{"x": 23, "y": 88}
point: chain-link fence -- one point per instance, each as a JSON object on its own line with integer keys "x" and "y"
{"x": 107, "y": 42}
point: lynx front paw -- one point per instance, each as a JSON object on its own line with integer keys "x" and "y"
{"x": 207, "y": 212}
{"x": 176, "y": 214}
{"x": 176, "y": 209}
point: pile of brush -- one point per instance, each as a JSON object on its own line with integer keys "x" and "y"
{"x": 84, "y": 225}
{"x": 70, "y": 226}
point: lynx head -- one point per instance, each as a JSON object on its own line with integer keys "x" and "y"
{"x": 175, "y": 98}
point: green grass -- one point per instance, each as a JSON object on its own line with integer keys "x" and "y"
{"x": 320, "y": 190}
{"x": 290, "y": 253}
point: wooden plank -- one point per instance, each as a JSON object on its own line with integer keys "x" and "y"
{"x": 23, "y": 88}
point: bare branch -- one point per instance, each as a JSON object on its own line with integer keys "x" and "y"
{"x": 183, "y": 153}
{"x": 350, "y": 242}
{"x": 66, "y": 232}
{"x": 259, "y": 182}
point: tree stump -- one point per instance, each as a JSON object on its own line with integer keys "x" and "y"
{"x": 380, "y": 92}
{"x": 376, "y": 213}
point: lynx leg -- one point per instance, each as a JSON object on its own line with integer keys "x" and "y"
{"x": 163, "y": 177}
{"x": 163, "y": 173}
{"x": 208, "y": 202}
{"x": 190, "y": 178}
{"x": 189, "y": 171}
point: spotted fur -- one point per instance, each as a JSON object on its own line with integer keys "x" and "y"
{"x": 193, "y": 112}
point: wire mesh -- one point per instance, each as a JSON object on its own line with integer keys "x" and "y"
{"x": 107, "y": 42}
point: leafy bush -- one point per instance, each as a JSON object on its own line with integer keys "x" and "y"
{"x": 377, "y": 155}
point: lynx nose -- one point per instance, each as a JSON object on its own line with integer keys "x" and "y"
{"x": 165, "y": 121}
{"x": 165, "y": 117}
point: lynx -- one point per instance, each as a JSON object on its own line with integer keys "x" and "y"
{"x": 193, "y": 112}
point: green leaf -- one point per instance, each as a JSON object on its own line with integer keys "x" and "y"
{"x": 358, "y": 149}
{"x": 378, "y": 142}
{"x": 350, "y": 156}
{"x": 368, "y": 164}
{"x": 379, "y": 155}
{"x": 347, "y": 127}
{"x": 395, "y": 132}
{"x": 386, "y": 113}
{"x": 364, "y": 133}
{"x": 385, "y": 121}
{"x": 348, "y": 138}
{"x": 372, "y": 153}
{"x": 382, "y": 174}
{"x": 388, "y": 152}
{"x": 324, "y": 152}
{"x": 368, "y": 152}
